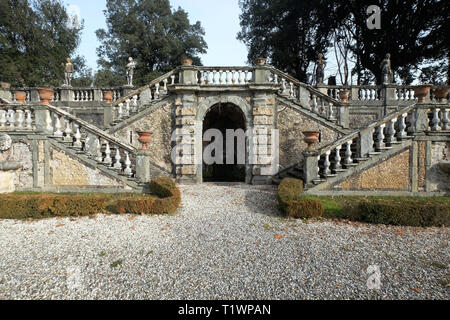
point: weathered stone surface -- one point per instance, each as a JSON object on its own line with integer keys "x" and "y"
{"x": 20, "y": 152}
{"x": 361, "y": 120}
{"x": 421, "y": 165}
{"x": 188, "y": 170}
{"x": 291, "y": 124}
{"x": 7, "y": 181}
{"x": 160, "y": 123}
{"x": 67, "y": 171}
{"x": 186, "y": 111}
{"x": 438, "y": 179}
{"x": 263, "y": 111}
{"x": 392, "y": 174}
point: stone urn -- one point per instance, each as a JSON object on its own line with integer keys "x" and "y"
{"x": 421, "y": 92}
{"x": 260, "y": 61}
{"x": 108, "y": 97}
{"x": 441, "y": 93}
{"x": 311, "y": 137}
{"x": 343, "y": 95}
{"x": 5, "y": 85}
{"x": 186, "y": 62}
{"x": 20, "y": 96}
{"x": 145, "y": 137}
{"x": 46, "y": 95}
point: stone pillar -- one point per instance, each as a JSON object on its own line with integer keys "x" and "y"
{"x": 126, "y": 91}
{"x": 344, "y": 115}
{"x": 143, "y": 166}
{"x": 98, "y": 95}
{"x": 354, "y": 93}
{"x": 66, "y": 94}
{"x": 388, "y": 96}
{"x": 421, "y": 123}
{"x": 187, "y": 168}
{"x": 108, "y": 114}
{"x": 365, "y": 144}
{"x": 310, "y": 167}
{"x": 43, "y": 121}
{"x": 34, "y": 96}
{"x": 187, "y": 75}
{"x": 264, "y": 148}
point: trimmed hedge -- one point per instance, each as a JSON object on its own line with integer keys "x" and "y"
{"x": 167, "y": 201}
{"x": 50, "y": 205}
{"x": 292, "y": 205}
{"x": 415, "y": 213}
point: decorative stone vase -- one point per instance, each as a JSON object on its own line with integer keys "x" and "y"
{"x": 108, "y": 96}
{"x": 5, "y": 85}
{"x": 144, "y": 139}
{"x": 260, "y": 61}
{"x": 343, "y": 95}
{"x": 20, "y": 96}
{"x": 311, "y": 137}
{"x": 186, "y": 62}
{"x": 46, "y": 95}
{"x": 441, "y": 93}
{"x": 421, "y": 92}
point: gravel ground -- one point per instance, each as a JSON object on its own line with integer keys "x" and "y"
{"x": 227, "y": 242}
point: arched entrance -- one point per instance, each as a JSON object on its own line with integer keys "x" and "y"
{"x": 220, "y": 117}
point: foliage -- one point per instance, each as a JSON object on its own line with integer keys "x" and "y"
{"x": 107, "y": 78}
{"x": 150, "y": 32}
{"x": 292, "y": 205}
{"x": 34, "y": 42}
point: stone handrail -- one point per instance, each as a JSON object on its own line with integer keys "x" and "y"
{"x": 224, "y": 75}
{"x": 156, "y": 84}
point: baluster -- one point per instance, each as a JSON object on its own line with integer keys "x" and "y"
{"x": 326, "y": 163}
{"x": 11, "y": 118}
{"x": 157, "y": 91}
{"x": 20, "y": 119}
{"x": 196, "y": 77}
{"x": 208, "y": 74}
{"x": 391, "y": 131}
{"x": 348, "y": 153}
{"x": 3, "y": 119}
{"x": 107, "y": 160}
{"x": 380, "y": 137}
{"x": 436, "y": 121}
{"x": 323, "y": 108}
{"x": 172, "y": 77}
{"x": 28, "y": 120}
{"x": 98, "y": 146}
{"x": 227, "y": 78}
{"x": 117, "y": 164}
{"x": 275, "y": 78}
{"x": 283, "y": 85}
{"x": 77, "y": 143}
{"x": 318, "y": 168}
{"x": 68, "y": 131}
{"x": 233, "y": 77}
{"x": 220, "y": 76}
{"x": 291, "y": 90}
{"x": 445, "y": 121}
{"x": 48, "y": 122}
{"x": 240, "y": 81}
{"x": 165, "y": 85}
{"x": 135, "y": 104}
{"x": 128, "y": 172}
{"x": 315, "y": 104}
{"x": 127, "y": 107}
{"x": 120, "y": 110}
{"x": 331, "y": 111}
{"x": 337, "y": 159}
{"x": 58, "y": 126}
{"x": 402, "y": 126}
{"x": 246, "y": 76}
{"x": 214, "y": 73}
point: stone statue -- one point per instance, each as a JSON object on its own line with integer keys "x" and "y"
{"x": 386, "y": 70}
{"x": 68, "y": 73}
{"x": 320, "y": 69}
{"x": 130, "y": 71}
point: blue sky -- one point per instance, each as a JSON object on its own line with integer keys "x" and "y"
{"x": 219, "y": 18}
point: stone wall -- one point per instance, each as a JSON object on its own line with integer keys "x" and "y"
{"x": 290, "y": 124}
{"x": 20, "y": 151}
{"x": 160, "y": 122}
{"x": 437, "y": 178}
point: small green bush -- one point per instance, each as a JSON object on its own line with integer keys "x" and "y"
{"x": 291, "y": 203}
{"x": 415, "y": 213}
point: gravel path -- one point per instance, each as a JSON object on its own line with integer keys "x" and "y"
{"x": 227, "y": 242}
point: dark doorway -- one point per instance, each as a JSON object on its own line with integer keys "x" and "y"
{"x": 222, "y": 117}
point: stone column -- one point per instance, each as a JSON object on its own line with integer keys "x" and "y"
{"x": 66, "y": 94}
{"x": 98, "y": 95}
{"x": 43, "y": 121}
{"x": 143, "y": 166}
{"x": 388, "y": 96}
{"x": 344, "y": 115}
{"x": 310, "y": 167}
{"x": 34, "y": 96}
{"x": 108, "y": 114}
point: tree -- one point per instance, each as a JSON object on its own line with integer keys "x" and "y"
{"x": 290, "y": 33}
{"x": 414, "y": 32}
{"x": 150, "y": 32}
{"x": 34, "y": 40}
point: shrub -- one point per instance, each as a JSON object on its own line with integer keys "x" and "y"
{"x": 14, "y": 206}
{"x": 166, "y": 199}
{"x": 414, "y": 212}
{"x": 292, "y": 205}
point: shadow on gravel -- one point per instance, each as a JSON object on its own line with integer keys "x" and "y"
{"x": 263, "y": 200}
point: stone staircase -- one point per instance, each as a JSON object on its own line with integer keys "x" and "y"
{"x": 365, "y": 147}
{"x": 127, "y": 108}
{"x": 77, "y": 138}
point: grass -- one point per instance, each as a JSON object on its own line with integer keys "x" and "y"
{"x": 344, "y": 207}
{"x": 116, "y": 263}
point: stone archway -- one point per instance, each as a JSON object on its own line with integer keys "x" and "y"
{"x": 223, "y": 117}
{"x": 223, "y": 112}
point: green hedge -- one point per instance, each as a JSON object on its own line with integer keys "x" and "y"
{"x": 167, "y": 201}
{"x": 292, "y": 205}
{"x": 414, "y": 212}
{"x": 165, "y": 198}
{"x": 24, "y": 206}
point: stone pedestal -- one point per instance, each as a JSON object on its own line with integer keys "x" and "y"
{"x": 143, "y": 167}
{"x": 7, "y": 181}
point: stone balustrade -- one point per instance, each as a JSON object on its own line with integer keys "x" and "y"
{"x": 223, "y": 76}
{"x": 16, "y": 118}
